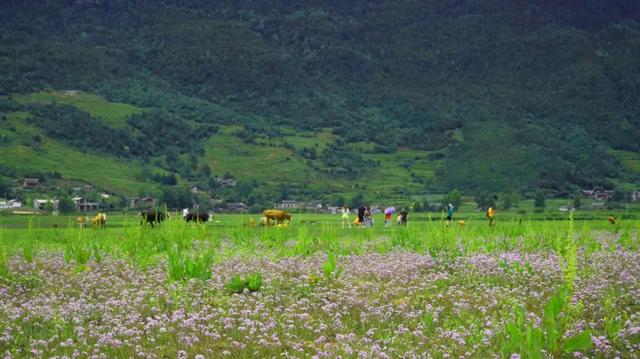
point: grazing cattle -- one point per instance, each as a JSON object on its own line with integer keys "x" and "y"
{"x": 81, "y": 221}
{"x": 196, "y": 217}
{"x": 150, "y": 216}
{"x": 612, "y": 220}
{"x": 100, "y": 220}
{"x": 263, "y": 221}
{"x": 278, "y": 215}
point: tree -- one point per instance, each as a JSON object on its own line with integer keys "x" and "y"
{"x": 577, "y": 202}
{"x": 506, "y": 201}
{"x": 283, "y": 192}
{"x": 339, "y": 201}
{"x": 515, "y": 199}
{"x": 206, "y": 171}
{"x": 66, "y": 205}
{"x": 485, "y": 200}
{"x": 539, "y": 201}
{"x": 356, "y": 201}
{"x": 176, "y": 197}
{"x": 5, "y": 187}
{"x": 454, "y": 197}
{"x": 616, "y": 199}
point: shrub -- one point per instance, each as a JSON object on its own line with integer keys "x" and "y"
{"x": 237, "y": 284}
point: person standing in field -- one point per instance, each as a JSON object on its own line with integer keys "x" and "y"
{"x": 490, "y": 214}
{"x": 345, "y": 217}
{"x": 368, "y": 219}
{"x": 361, "y": 212}
{"x": 450, "y": 210}
{"x": 403, "y": 216}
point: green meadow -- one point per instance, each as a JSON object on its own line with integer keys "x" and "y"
{"x": 524, "y": 286}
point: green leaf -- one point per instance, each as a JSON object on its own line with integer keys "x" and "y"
{"x": 579, "y": 342}
{"x": 534, "y": 343}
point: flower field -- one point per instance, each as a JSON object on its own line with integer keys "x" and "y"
{"x": 535, "y": 289}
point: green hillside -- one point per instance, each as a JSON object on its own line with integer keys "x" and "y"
{"x": 279, "y": 161}
{"x": 322, "y": 99}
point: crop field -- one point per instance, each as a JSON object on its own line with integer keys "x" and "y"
{"x": 522, "y": 288}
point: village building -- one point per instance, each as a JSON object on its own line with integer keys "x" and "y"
{"x": 227, "y": 182}
{"x": 83, "y": 205}
{"x": 30, "y": 182}
{"x": 144, "y": 202}
{"x": 288, "y": 204}
{"x": 598, "y": 195}
{"x": 292, "y": 204}
{"x": 42, "y": 204}
{"x": 12, "y": 203}
{"x": 238, "y": 207}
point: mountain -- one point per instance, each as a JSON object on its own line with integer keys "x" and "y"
{"x": 324, "y": 98}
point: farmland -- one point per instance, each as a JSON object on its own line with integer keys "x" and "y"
{"x": 528, "y": 286}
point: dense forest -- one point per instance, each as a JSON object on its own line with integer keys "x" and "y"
{"x": 511, "y": 95}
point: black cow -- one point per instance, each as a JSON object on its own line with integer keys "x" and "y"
{"x": 197, "y": 217}
{"x": 150, "y": 216}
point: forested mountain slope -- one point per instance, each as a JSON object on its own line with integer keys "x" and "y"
{"x": 496, "y": 95}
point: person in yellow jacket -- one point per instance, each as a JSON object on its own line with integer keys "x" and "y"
{"x": 490, "y": 213}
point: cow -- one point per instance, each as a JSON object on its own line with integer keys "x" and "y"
{"x": 278, "y": 215}
{"x": 196, "y": 217}
{"x": 100, "y": 220}
{"x": 150, "y": 216}
{"x": 612, "y": 220}
{"x": 81, "y": 221}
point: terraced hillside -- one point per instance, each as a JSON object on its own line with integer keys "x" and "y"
{"x": 324, "y": 99}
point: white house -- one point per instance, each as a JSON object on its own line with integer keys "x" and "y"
{"x": 41, "y": 204}
{"x": 12, "y": 203}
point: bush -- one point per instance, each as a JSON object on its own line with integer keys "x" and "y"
{"x": 238, "y": 284}
{"x": 539, "y": 201}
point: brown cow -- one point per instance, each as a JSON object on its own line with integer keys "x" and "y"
{"x": 278, "y": 215}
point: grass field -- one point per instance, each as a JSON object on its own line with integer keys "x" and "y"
{"x": 107, "y": 172}
{"x": 114, "y": 114}
{"x": 275, "y": 165}
{"x": 535, "y": 288}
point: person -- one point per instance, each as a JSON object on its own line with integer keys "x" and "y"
{"x": 368, "y": 219}
{"x": 403, "y": 216}
{"x": 345, "y": 217}
{"x": 361, "y": 212}
{"x": 387, "y": 217}
{"x": 450, "y": 210}
{"x": 490, "y": 214}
